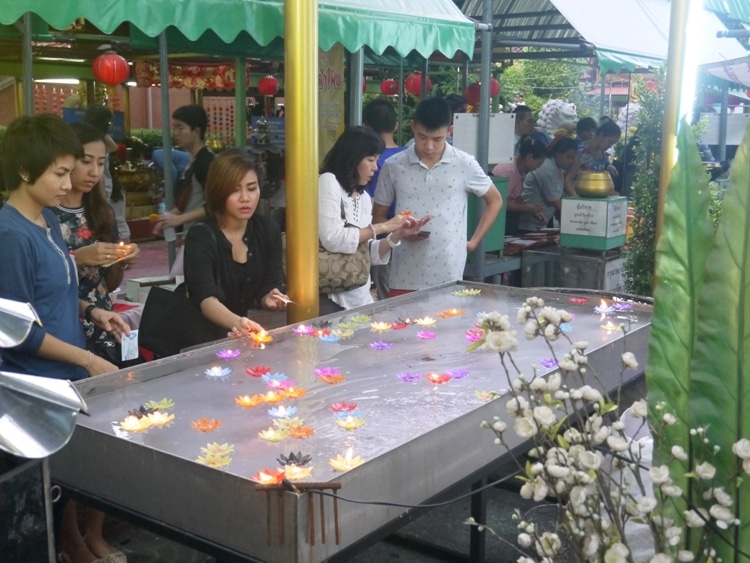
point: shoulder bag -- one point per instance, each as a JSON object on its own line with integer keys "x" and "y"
{"x": 339, "y": 272}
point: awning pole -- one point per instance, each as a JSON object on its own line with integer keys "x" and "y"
{"x": 723, "y": 122}
{"x": 301, "y": 90}
{"x": 28, "y": 76}
{"x": 401, "y": 101}
{"x": 675, "y": 69}
{"x": 166, "y": 138}
{"x": 425, "y": 68}
{"x": 602, "y": 97}
{"x": 240, "y": 102}
{"x": 356, "y": 70}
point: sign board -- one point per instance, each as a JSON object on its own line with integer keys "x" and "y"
{"x": 601, "y": 217}
{"x": 614, "y": 275}
{"x": 502, "y": 135}
{"x": 116, "y": 126}
{"x": 275, "y": 130}
{"x": 736, "y": 125}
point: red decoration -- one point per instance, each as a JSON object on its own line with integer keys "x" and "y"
{"x": 494, "y": 87}
{"x": 471, "y": 94}
{"x": 268, "y": 86}
{"x": 110, "y": 68}
{"x": 651, "y": 85}
{"x": 389, "y": 87}
{"x": 195, "y": 76}
{"x": 364, "y": 85}
{"x": 413, "y": 84}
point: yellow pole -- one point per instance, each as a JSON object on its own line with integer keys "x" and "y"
{"x": 673, "y": 86}
{"x": 301, "y": 91}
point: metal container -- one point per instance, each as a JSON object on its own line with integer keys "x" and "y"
{"x": 594, "y": 184}
{"x": 419, "y": 439}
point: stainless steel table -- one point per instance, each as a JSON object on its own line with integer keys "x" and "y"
{"x": 419, "y": 438}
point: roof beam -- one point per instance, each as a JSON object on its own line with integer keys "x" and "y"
{"x": 543, "y": 27}
{"x": 518, "y": 15}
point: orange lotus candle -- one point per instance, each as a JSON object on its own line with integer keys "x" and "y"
{"x": 249, "y": 401}
{"x": 269, "y": 477}
{"x": 261, "y": 337}
{"x": 273, "y": 397}
{"x": 295, "y": 393}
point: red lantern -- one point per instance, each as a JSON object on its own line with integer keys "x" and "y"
{"x": 413, "y": 84}
{"x": 472, "y": 93}
{"x": 389, "y": 87}
{"x": 364, "y": 85}
{"x": 110, "y": 68}
{"x": 494, "y": 87}
{"x": 650, "y": 85}
{"x": 268, "y": 86}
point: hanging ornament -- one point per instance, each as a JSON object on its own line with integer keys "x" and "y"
{"x": 268, "y": 86}
{"x": 389, "y": 87}
{"x": 413, "y": 84}
{"x": 110, "y": 68}
{"x": 494, "y": 87}
{"x": 472, "y": 93}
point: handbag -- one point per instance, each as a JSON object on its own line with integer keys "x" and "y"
{"x": 339, "y": 272}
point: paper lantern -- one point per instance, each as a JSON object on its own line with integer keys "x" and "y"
{"x": 268, "y": 86}
{"x": 494, "y": 87}
{"x": 413, "y": 84}
{"x": 364, "y": 85}
{"x": 472, "y": 93}
{"x": 110, "y": 68}
{"x": 389, "y": 87}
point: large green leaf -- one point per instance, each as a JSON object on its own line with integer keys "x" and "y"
{"x": 680, "y": 262}
{"x": 720, "y": 371}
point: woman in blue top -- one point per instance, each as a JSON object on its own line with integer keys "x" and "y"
{"x": 38, "y": 155}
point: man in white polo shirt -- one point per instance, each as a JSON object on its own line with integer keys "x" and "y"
{"x": 432, "y": 178}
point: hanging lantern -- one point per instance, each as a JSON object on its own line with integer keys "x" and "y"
{"x": 494, "y": 87}
{"x": 268, "y": 86}
{"x": 651, "y": 85}
{"x": 364, "y": 84}
{"x": 472, "y": 93}
{"x": 413, "y": 84}
{"x": 110, "y": 68}
{"x": 389, "y": 87}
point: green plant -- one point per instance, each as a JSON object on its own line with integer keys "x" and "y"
{"x": 152, "y": 137}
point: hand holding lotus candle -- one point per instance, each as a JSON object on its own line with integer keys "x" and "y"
{"x": 245, "y": 328}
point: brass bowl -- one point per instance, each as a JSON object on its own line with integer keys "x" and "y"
{"x": 594, "y": 184}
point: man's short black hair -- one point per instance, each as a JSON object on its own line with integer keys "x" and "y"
{"x": 380, "y": 116}
{"x": 195, "y": 117}
{"x": 433, "y": 113}
{"x": 457, "y": 103}
{"x": 586, "y": 124}
{"x": 98, "y": 116}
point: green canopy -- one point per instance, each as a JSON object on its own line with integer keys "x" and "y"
{"x": 737, "y": 9}
{"x": 424, "y": 26}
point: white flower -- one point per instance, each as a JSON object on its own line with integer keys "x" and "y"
{"x": 618, "y": 425}
{"x": 527, "y": 490}
{"x": 671, "y": 490}
{"x": 567, "y": 364}
{"x": 557, "y": 471}
{"x": 499, "y": 426}
{"x": 629, "y": 361}
{"x": 548, "y": 545}
{"x": 600, "y": 436}
{"x": 673, "y": 534}
{"x": 722, "y": 497}
{"x": 685, "y": 556}
{"x": 524, "y": 540}
{"x": 590, "y": 545}
{"x": 531, "y": 329}
{"x": 523, "y": 314}
{"x": 539, "y": 385}
{"x": 705, "y": 470}
{"x": 554, "y": 381}
{"x": 679, "y": 453}
{"x": 581, "y": 359}
{"x": 562, "y": 395}
{"x": 741, "y": 448}
{"x": 525, "y": 426}
{"x": 746, "y": 466}
{"x": 545, "y": 416}
{"x": 503, "y": 342}
{"x": 519, "y": 384}
{"x": 617, "y": 553}
{"x": 565, "y": 317}
{"x": 590, "y": 394}
{"x": 646, "y": 504}
{"x": 516, "y": 406}
{"x": 661, "y": 558}
{"x": 525, "y": 560}
{"x": 551, "y": 332}
{"x": 696, "y": 518}
{"x": 550, "y": 315}
{"x": 535, "y": 302}
{"x": 659, "y": 474}
{"x": 721, "y": 513}
{"x": 536, "y": 469}
{"x": 497, "y": 320}
{"x": 639, "y": 409}
{"x": 581, "y": 345}
{"x": 618, "y": 444}
{"x": 577, "y": 496}
{"x": 590, "y": 460}
{"x": 669, "y": 419}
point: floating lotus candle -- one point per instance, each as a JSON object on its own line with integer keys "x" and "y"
{"x": 294, "y": 393}
{"x": 474, "y": 335}
{"x": 282, "y": 411}
{"x": 611, "y": 327}
{"x": 272, "y": 434}
{"x": 448, "y": 313}
{"x": 299, "y": 459}
{"x": 348, "y": 325}
{"x": 303, "y": 330}
{"x": 206, "y": 424}
{"x": 578, "y": 300}
{"x": 297, "y": 473}
{"x": 214, "y": 460}
{"x": 227, "y": 354}
{"x": 425, "y": 335}
{"x": 257, "y": 371}
{"x": 329, "y": 337}
{"x": 348, "y": 333}
{"x": 621, "y": 306}
{"x": 457, "y": 373}
{"x": 218, "y": 372}
{"x": 277, "y": 376}
{"x": 467, "y": 292}
{"x": 269, "y": 477}
{"x": 287, "y": 423}
{"x": 332, "y": 379}
{"x": 408, "y": 377}
{"x": 214, "y": 448}
{"x": 603, "y": 308}
{"x": 361, "y": 319}
{"x": 566, "y": 327}
{"x": 350, "y": 422}
{"x": 399, "y": 325}
{"x": 345, "y": 463}
{"x": 160, "y": 418}
{"x": 326, "y": 370}
{"x": 279, "y": 384}
{"x": 548, "y": 363}
{"x": 380, "y": 327}
{"x": 273, "y": 397}
{"x": 321, "y": 332}
{"x": 343, "y": 406}
{"x": 300, "y": 432}
{"x": 438, "y": 378}
{"x": 134, "y": 423}
{"x": 249, "y": 401}
{"x": 261, "y": 337}
{"x": 380, "y": 345}
{"x": 159, "y": 405}
{"x": 342, "y": 415}
{"x": 425, "y": 321}
{"x": 486, "y": 396}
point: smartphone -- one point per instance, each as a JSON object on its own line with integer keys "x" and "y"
{"x": 423, "y": 234}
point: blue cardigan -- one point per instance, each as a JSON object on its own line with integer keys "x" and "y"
{"x": 36, "y": 268}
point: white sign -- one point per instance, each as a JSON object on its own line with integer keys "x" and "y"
{"x": 614, "y": 275}
{"x": 595, "y": 218}
{"x": 502, "y": 135}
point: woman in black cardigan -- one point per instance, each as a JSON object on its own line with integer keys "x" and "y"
{"x": 233, "y": 260}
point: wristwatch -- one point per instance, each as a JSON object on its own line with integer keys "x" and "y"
{"x": 87, "y": 312}
{"x": 389, "y": 240}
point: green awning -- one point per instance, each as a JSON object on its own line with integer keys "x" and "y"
{"x": 424, "y": 26}
{"x": 737, "y": 9}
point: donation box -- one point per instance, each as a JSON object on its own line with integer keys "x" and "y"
{"x": 593, "y": 223}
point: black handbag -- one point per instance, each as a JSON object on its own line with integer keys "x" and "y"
{"x": 170, "y": 323}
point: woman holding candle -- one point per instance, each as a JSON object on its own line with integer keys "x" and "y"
{"x": 347, "y": 169}
{"x": 233, "y": 257}
{"x": 85, "y": 218}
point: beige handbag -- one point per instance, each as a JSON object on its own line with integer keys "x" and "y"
{"x": 340, "y": 272}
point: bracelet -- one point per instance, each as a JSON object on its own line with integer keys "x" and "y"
{"x": 88, "y": 311}
{"x": 389, "y": 240}
{"x": 374, "y": 234}
{"x": 88, "y": 364}
{"x": 123, "y": 267}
